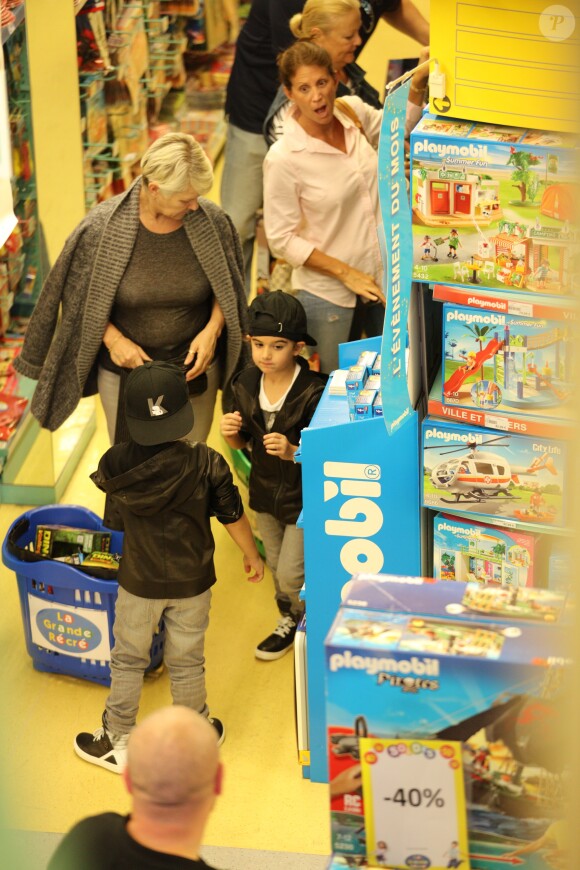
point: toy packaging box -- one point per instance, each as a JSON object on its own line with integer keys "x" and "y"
{"x": 444, "y": 734}
{"x": 495, "y": 475}
{"x": 494, "y": 206}
{"x": 56, "y": 541}
{"x": 472, "y": 551}
{"x": 497, "y": 363}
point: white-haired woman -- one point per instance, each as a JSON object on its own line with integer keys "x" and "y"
{"x": 153, "y": 273}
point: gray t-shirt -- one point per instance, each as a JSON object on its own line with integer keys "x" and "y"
{"x": 164, "y": 298}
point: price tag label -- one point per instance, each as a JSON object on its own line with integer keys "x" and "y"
{"x": 414, "y": 802}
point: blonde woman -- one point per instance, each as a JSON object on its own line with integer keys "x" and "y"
{"x": 153, "y": 273}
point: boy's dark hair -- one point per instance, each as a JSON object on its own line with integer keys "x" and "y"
{"x": 279, "y": 314}
{"x": 157, "y": 406}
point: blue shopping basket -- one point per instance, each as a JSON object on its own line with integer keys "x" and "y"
{"x": 67, "y": 614}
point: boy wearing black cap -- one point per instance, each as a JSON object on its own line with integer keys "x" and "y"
{"x": 275, "y": 399}
{"x": 166, "y": 490}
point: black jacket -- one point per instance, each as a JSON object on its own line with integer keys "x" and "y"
{"x": 166, "y": 496}
{"x": 276, "y": 484}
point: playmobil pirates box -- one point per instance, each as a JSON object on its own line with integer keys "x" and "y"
{"x": 514, "y": 479}
{"x": 494, "y": 206}
{"x": 498, "y": 363}
{"x": 444, "y": 737}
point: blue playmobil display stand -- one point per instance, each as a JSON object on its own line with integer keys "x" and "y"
{"x": 361, "y": 513}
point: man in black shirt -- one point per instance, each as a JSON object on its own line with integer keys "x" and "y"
{"x": 173, "y": 775}
{"x": 252, "y": 87}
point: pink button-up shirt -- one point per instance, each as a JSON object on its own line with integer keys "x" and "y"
{"x": 317, "y": 197}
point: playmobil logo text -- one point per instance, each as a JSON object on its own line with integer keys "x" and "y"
{"x": 453, "y": 436}
{"x": 441, "y": 149}
{"x": 463, "y": 317}
{"x": 359, "y": 514}
{"x": 458, "y": 530}
{"x": 385, "y": 668}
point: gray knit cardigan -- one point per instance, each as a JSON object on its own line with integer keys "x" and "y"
{"x": 66, "y": 329}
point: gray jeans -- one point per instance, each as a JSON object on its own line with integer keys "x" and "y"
{"x": 284, "y": 546}
{"x": 203, "y": 405}
{"x": 136, "y": 620}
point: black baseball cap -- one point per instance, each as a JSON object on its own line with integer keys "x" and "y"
{"x": 279, "y": 313}
{"x": 157, "y": 406}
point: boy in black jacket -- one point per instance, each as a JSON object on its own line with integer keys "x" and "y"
{"x": 275, "y": 399}
{"x": 166, "y": 490}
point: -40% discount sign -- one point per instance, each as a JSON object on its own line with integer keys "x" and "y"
{"x": 414, "y": 803}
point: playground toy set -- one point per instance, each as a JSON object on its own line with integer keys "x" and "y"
{"x": 494, "y": 206}
{"x": 471, "y": 551}
{"x": 494, "y": 475}
{"x": 419, "y": 672}
{"x": 496, "y": 362}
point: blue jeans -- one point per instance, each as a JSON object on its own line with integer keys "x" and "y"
{"x": 242, "y": 188}
{"x": 329, "y": 324}
{"x": 136, "y": 620}
{"x": 284, "y": 546}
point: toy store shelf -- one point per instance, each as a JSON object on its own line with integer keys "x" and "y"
{"x": 9, "y": 29}
{"x": 39, "y": 463}
{"x": 532, "y": 425}
{"x": 524, "y": 305}
{"x": 515, "y": 525}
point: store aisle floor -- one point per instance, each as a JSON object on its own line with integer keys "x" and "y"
{"x": 266, "y": 804}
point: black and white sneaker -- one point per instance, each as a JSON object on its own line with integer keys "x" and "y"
{"x": 104, "y": 748}
{"x": 279, "y": 642}
{"x": 219, "y": 728}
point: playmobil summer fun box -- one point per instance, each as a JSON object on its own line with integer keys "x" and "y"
{"x": 471, "y": 551}
{"x": 443, "y": 728}
{"x": 495, "y": 475}
{"x": 494, "y": 206}
{"x": 495, "y": 362}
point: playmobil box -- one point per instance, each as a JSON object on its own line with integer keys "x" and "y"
{"x": 363, "y": 408}
{"x": 513, "y": 479}
{"x": 497, "y": 363}
{"x": 494, "y": 207}
{"x": 472, "y": 551}
{"x": 471, "y": 601}
{"x": 444, "y": 738}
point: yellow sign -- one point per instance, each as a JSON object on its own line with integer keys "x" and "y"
{"x": 414, "y": 803}
{"x": 507, "y": 62}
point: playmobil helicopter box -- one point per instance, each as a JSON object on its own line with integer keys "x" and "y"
{"x": 476, "y": 552}
{"x": 494, "y": 206}
{"x": 496, "y": 363}
{"x": 444, "y": 738}
{"x": 500, "y": 476}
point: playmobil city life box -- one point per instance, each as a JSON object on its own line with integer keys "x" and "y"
{"x": 471, "y": 551}
{"x": 495, "y": 362}
{"x": 494, "y": 475}
{"x": 494, "y": 206}
{"x": 444, "y": 738}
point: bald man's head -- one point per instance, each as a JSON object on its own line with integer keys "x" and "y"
{"x": 173, "y": 758}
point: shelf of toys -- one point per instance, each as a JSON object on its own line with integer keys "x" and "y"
{"x": 425, "y": 677}
{"x": 34, "y": 466}
{"x": 134, "y": 84}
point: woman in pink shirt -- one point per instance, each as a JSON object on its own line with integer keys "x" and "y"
{"x": 321, "y": 204}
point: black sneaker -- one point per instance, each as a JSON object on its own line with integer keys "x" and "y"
{"x": 219, "y": 728}
{"x": 104, "y": 748}
{"x": 279, "y": 642}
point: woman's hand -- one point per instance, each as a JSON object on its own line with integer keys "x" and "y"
{"x": 126, "y": 354}
{"x": 278, "y": 445}
{"x": 363, "y": 285}
{"x": 201, "y": 351}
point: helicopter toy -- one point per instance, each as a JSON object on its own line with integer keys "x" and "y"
{"x": 478, "y": 475}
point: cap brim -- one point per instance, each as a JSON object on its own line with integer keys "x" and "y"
{"x": 160, "y": 429}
